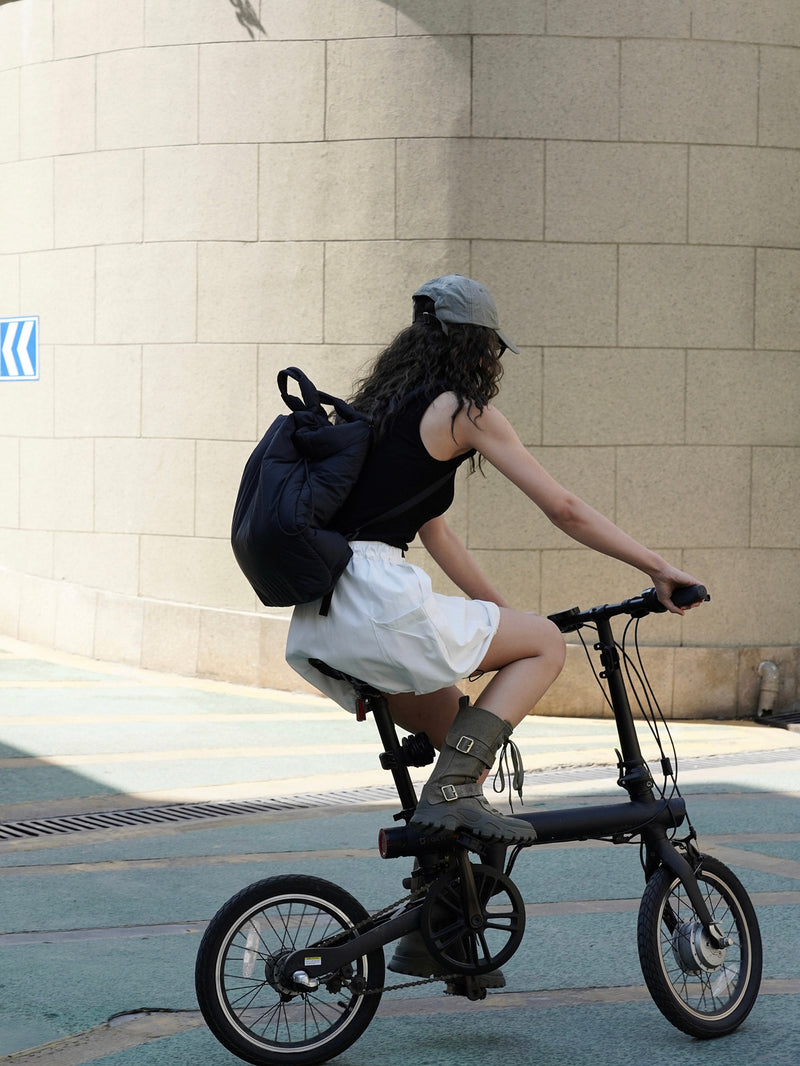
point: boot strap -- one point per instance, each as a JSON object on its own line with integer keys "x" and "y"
{"x": 456, "y": 792}
{"x": 467, "y": 745}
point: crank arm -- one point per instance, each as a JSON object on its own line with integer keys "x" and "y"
{"x": 316, "y": 960}
{"x": 471, "y": 905}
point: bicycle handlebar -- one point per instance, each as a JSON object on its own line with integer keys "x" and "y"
{"x": 637, "y": 607}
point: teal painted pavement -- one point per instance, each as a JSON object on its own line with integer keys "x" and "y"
{"x": 100, "y": 928}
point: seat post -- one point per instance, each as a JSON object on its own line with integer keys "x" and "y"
{"x": 392, "y": 758}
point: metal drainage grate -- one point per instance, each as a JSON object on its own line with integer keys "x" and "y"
{"x": 185, "y": 812}
{"x": 783, "y": 720}
{"x": 188, "y": 812}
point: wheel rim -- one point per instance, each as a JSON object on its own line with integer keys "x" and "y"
{"x": 253, "y": 993}
{"x": 709, "y": 980}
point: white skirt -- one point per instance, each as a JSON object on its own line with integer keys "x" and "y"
{"x": 388, "y": 627}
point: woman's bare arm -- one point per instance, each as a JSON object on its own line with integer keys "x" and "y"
{"x": 451, "y": 554}
{"x": 493, "y": 436}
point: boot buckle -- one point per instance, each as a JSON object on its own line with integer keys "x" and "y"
{"x": 450, "y": 793}
{"x": 465, "y": 745}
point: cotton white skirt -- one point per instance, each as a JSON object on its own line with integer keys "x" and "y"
{"x": 388, "y": 627}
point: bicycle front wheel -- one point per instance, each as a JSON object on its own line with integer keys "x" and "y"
{"x": 703, "y": 990}
{"x": 251, "y": 1006}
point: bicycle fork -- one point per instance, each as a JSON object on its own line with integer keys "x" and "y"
{"x": 661, "y": 851}
{"x": 635, "y": 778}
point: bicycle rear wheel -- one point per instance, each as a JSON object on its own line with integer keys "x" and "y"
{"x": 701, "y": 989}
{"x": 251, "y": 1006}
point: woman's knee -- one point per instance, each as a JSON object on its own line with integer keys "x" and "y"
{"x": 522, "y": 635}
{"x": 556, "y": 646}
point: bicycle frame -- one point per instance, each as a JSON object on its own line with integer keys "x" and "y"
{"x": 644, "y": 814}
{"x": 291, "y": 969}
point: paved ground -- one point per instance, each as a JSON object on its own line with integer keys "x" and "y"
{"x": 100, "y": 923}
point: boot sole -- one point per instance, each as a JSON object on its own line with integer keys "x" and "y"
{"x": 493, "y": 979}
{"x": 475, "y": 824}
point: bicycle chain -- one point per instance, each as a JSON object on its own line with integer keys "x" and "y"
{"x": 410, "y": 984}
{"x": 345, "y": 933}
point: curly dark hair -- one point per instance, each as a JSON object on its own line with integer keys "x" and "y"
{"x": 465, "y": 360}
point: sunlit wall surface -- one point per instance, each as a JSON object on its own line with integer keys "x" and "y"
{"x": 197, "y": 193}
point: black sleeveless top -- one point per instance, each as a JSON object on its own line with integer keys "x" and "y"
{"x": 397, "y": 468}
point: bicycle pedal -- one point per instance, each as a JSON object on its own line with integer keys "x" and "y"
{"x": 469, "y": 987}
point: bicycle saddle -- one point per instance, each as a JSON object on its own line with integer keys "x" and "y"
{"x": 362, "y": 688}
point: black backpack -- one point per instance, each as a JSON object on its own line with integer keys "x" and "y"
{"x": 297, "y": 478}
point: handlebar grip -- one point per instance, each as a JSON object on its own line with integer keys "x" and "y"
{"x": 686, "y": 595}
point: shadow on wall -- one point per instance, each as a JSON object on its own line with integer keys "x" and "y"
{"x": 244, "y": 14}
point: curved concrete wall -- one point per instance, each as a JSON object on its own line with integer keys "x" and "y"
{"x": 195, "y": 193}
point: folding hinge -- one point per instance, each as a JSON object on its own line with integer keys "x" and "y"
{"x": 609, "y": 659}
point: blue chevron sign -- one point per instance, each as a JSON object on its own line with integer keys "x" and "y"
{"x": 19, "y": 349}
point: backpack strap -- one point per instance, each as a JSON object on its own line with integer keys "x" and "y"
{"x": 325, "y": 606}
{"x": 401, "y": 508}
{"x": 312, "y": 397}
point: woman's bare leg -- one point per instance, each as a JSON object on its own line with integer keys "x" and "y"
{"x": 528, "y": 652}
{"x": 432, "y": 713}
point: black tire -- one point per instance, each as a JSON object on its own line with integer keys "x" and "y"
{"x": 703, "y": 991}
{"x": 237, "y": 981}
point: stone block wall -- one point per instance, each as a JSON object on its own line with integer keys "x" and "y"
{"x": 196, "y": 193}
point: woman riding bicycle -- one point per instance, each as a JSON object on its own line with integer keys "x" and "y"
{"x": 429, "y": 397}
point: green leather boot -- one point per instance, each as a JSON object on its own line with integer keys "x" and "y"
{"x": 452, "y": 799}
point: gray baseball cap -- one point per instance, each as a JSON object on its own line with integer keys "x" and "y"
{"x": 461, "y": 300}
